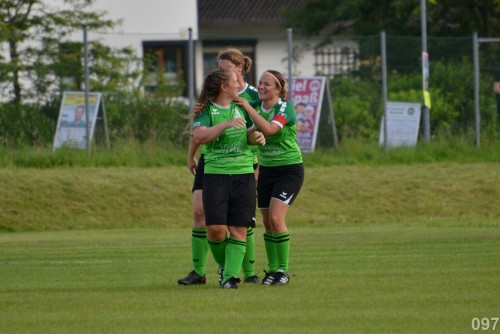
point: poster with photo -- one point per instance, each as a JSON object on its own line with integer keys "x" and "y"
{"x": 307, "y": 97}
{"x": 71, "y": 128}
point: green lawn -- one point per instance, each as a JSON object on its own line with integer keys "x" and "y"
{"x": 345, "y": 279}
{"x": 129, "y": 197}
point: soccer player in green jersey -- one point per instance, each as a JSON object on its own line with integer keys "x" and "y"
{"x": 232, "y": 59}
{"x": 229, "y": 182}
{"x": 281, "y": 173}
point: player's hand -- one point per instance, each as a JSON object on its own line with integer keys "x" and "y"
{"x": 192, "y": 165}
{"x": 196, "y": 109}
{"x": 236, "y": 123}
{"x": 242, "y": 102}
{"x": 259, "y": 138}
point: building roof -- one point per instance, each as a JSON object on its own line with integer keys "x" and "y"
{"x": 236, "y": 13}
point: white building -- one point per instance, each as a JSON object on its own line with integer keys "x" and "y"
{"x": 161, "y": 26}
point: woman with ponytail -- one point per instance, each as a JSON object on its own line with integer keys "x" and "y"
{"x": 281, "y": 172}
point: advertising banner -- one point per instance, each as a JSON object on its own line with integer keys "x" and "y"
{"x": 307, "y": 96}
{"x": 71, "y": 128}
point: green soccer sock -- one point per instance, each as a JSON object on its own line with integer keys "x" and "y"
{"x": 235, "y": 252}
{"x": 248, "y": 264}
{"x": 199, "y": 249}
{"x": 272, "y": 257}
{"x": 282, "y": 245}
{"x": 218, "y": 249}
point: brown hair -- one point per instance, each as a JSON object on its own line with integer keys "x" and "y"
{"x": 236, "y": 57}
{"x": 209, "y": 92}
{"x": 212, "y": 85}
{"x": 280, "y": 82}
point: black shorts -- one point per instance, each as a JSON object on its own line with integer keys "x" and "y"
{"x": 200, "y": 173}
{"x": 229, "y": 199}
{"x": 281, "y": 182}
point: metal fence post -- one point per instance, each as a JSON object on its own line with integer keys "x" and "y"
{"x": 477, "y": 115}
{"x": 425, "y": 109}
{"x": 191, "y": 69}
{"x": 86, "y": 70}
{"x": 290, "y": 59}
{"x": 384, "y": 84}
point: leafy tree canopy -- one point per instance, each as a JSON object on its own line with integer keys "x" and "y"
{"x": 397, "y": 17}
{"x": 31, "y": 32}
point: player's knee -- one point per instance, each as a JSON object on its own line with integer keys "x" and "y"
{"x": 276, "y": 222}
{"x": 199, "y": 215}
{"x": 216, "y": 232}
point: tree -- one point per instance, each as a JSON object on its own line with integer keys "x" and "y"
{"x": 397, "y": 17}
{"x": 35, "y": 32}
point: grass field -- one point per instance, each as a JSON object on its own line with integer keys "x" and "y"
{"x": 359, "y": 279}
{"x": 130, "y": 197}
{"x": 404, "y": 242}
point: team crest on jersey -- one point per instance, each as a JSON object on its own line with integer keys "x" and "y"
{"x": 236, "y": 113}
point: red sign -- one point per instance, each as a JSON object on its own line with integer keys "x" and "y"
{"x": 307, "y": 96}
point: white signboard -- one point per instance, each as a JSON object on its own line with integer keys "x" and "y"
{"x": 403, "y": 122}
{"x": 72, "y": 123}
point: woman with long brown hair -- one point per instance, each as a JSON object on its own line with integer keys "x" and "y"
{"x": 229, "y": 188}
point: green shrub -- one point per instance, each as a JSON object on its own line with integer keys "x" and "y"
{"x": 25, "y": 125}
{"x": 357, "y": 101}
{"x": 130, "y": 117}
{"x": 355, "y": 104}
{"x": 147, "y": 118}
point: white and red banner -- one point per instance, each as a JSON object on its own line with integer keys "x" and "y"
{"x": 307, "y": 96}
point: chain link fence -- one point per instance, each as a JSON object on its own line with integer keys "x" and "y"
{"x": 141, "y": 92}
{"x": 356, "y": 74}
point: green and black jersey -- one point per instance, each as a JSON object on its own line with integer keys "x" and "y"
{"x": 281, "y": 148}
{"x": 228, "y": 153}
{"x": 249, "y": 93}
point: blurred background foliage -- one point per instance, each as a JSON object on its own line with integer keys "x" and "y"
{"x": 28, "y": 115}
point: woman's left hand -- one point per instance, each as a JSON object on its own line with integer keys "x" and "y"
{"x": 242, "y": 102}
{"x": 259, "y": 138}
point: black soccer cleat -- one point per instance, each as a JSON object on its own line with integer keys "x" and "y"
{"x": 220, "y": 273}
{"x": 268, "y": 278}
{"x": 281, "y": 278}
{"x": 192, "y": 279}
{"x": 252, "y": 279}
{"x": 231, "y": 283}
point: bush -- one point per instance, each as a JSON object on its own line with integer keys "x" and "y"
{"x": 147, "y": 118}
{"x": 130, "y": 117}
{"x": 25, "y": 125}
{"x": 357, "y": 101}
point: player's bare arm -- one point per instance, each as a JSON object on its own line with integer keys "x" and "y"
{"x": 267, "y": 128}
{"x": 203, "y": 134}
